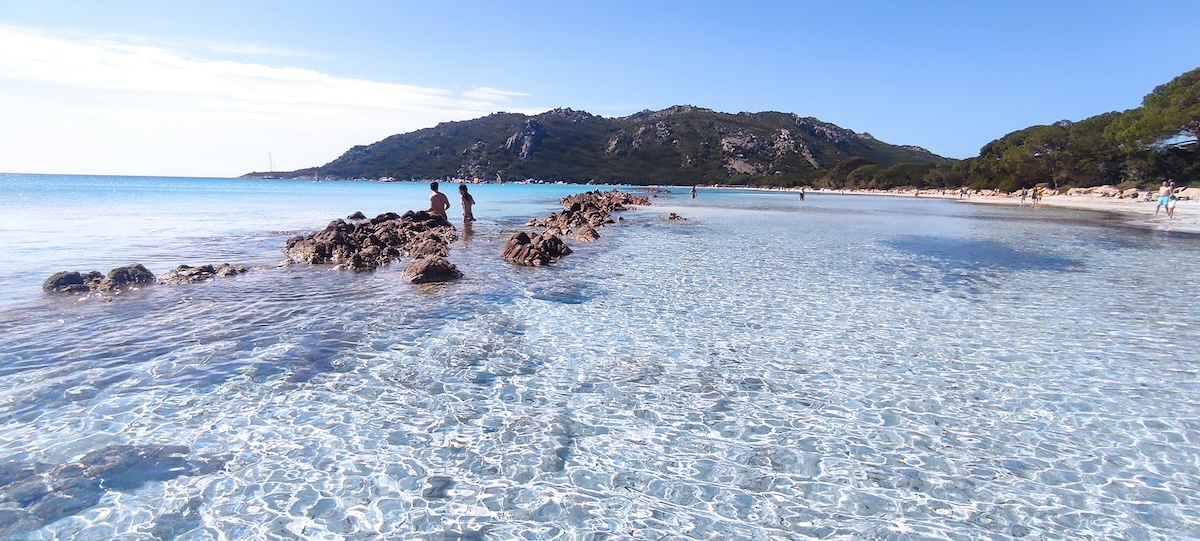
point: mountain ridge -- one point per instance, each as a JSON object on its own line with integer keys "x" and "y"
{"x": 682, "y": 144}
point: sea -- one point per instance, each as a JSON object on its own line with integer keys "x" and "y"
{"x": 838, "y": 367}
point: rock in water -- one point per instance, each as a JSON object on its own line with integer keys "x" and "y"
{"x": 534, "y": 251}
{"x": 118, "y": 278}
{"x": 123, "y": 277}
{"x": 67, "y": 282}
{"x": 365, "y": 245}
{"x": 430, "y": 268}
{"x": 185, "y": 274}
{"x": 586, "y": 234}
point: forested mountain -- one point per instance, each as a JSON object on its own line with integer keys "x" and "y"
{"x": 690, "y": 145}
{"x": 1135, "y": 148}
{"x": 678, "y": 145}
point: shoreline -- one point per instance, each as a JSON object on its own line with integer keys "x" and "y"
{"x": 1132, "y": 212}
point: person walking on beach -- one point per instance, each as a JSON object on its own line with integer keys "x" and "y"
{"x": 1024, "y": 192}
{"x": 1164, "y": 197}
{"x": 438, "y": 202}
{"x": 467, "y": 203}
{"x": 1171, "y": 206}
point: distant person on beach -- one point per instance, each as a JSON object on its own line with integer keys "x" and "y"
{"x": 1171, "y": 206}
{"x": 802, "y": 193}
{"x": 438, "y": 202}
{"x": 1164, "y": 197}
{"x": 1024, "y": 193}
{"x": 693, "y": 192}
{"x": 467, "y": 203}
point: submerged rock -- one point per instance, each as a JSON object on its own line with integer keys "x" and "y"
{"x": 673, "y": 216}
{"x": 33, "y": 494}
{"x": 430, "y": 269}
{"x": 185, "y": 274}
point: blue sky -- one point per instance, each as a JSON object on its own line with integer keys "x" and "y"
{"x": 221, "y": 88}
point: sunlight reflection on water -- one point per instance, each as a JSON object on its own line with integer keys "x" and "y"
{"x": 909, "y": 369}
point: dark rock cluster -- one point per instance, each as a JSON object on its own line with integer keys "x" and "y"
{"x": 185, "y": 274}
{"x": 430, "y": 268}
{"x": 116, "y": 279}
{"x": 365, "y": 245}
{"x": 533, "y": 251}
{"x": 33, "y": 494}
{"x": 582, "y": 214}
{"x": 131, "y": 276}
{"x": 589, "y": 209}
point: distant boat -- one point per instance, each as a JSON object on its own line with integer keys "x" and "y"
{"x": 271, "y": 174}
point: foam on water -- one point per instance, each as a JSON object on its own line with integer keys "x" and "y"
{"x": 846, "y": 368}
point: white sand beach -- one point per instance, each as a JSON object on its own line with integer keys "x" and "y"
{"x": 1135, "y": 212}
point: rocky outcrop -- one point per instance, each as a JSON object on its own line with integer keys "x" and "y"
{"x": 588, "y": 210}
{"x": 581, "y": 215}
{"x": 430, "y": 269}
{"x": 376, "y": 242}
{"x": 116, "y": 280}
{"x": 533, "y": 251}
{"x": 185, "y": 274}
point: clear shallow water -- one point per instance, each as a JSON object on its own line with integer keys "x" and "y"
{"x": 845, "y": 368}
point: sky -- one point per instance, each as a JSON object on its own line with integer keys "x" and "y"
{"x": 222, "y": 88}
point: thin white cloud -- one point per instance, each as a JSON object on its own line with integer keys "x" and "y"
{"x": 255, "y": 49}
{"x": 492, "y": 94}
{"x": 131, "y": 95}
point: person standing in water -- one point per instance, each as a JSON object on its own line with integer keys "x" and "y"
{"x": 438, "y": 202}
{"x": 693, "y": 192}
{"x": 467, "y": 203}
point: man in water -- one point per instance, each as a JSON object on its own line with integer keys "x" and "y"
{"x": 438, "y": 202}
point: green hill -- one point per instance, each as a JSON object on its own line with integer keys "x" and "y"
{"x": 678, "y": 145}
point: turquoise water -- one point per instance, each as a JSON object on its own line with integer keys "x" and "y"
{"x": 849, "y": 367}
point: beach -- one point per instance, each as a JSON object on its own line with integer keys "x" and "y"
{"x": 1136, "y": 213}
{"x": 1133, "y": 212}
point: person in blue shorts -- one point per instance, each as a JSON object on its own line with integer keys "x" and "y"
{"x": 1164, "y": 196}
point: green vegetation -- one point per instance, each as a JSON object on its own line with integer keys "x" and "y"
{"x": 680, "y": 145}
{"x": 685, "y": 145}
{"x": 1136, "y": 148}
